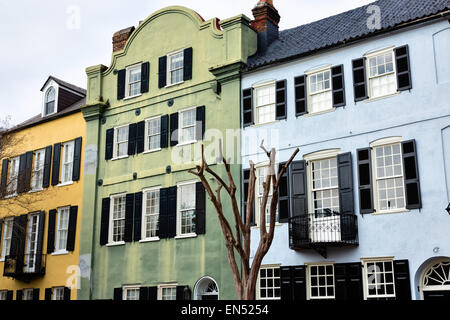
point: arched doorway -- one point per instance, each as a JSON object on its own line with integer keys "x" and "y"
{"x": 436, "y": 281}
{"x": 206, "y": 289}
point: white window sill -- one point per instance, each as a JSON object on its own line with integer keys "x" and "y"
{"x": 58, "y": 253}
{"x": 311, "y": 114}
{"x": 2, "y": 259}
{"x": 114, "y": 244}
{"x": 121, "y": 157}
{"x": 11, "y": 196}
{"x": 173, "y": 84}
{"x": 151, "y": 151}
{"x": 277, "y": 224}
{"x": 381, "y": 97}
{"x": 35, "y": 190}
{"x": 265, "y": 123}
{"x": 186, "y": 143}
{"x": 153, "y": 239}
{"x": 131, "y": 97}
{"x": 377, "y": 213}
{"x": 185, "y": 236}
{"x": 65, "y": 184}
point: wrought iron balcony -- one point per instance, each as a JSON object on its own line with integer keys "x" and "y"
{"x": 321, "y": 230}
{"x": 24, "y": 267}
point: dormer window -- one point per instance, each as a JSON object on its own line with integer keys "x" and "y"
{"x": 50, "y": 98}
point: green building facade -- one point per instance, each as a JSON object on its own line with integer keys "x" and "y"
{"x": 149, "y": 230}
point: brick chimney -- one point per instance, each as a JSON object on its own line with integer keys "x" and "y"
{"x": 265, "y": 23}
{"x": 120, "y": 38}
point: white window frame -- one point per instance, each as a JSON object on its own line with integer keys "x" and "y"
{"x": 111, "y": 218}
{"x": 309, "y": 285}
{"x": 381, "y": 143}
{"x": 374, "y": 54}
{"x": 38, "y": 170}
{"x": 28, "y": 294}
{"x": 60, "y": 229}
{"x": 365, "y": 262}
{"x": 3, "y": 295}
{"x": 13, "y": 176}
{"x": 169, "y": 70}
{"x": 258, "y": 167}
{"x": 128, "y": 83}
{"x": 256, "y": 88}
{"x": 8, "y": 224}
{"x": 274, "y": 287}
{"x": 65, "y": 165}
{"x": 181, "y": 141}
{"x": 130, "y": 287}
{"x": 161, "y": 287}
{"x": 116, "y": 142}
{"x": 144, "y": 238}
{"x": 147, "y": 135}
{"x": 58, "y": 293}
{"x": 310, "y": 94}
{"x": 179, "y": 213}
{"x": 55, "y": 107}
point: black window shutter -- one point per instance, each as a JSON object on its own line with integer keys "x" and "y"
{"x": 348, "y": 281}
{"x": 365, "y": 181}
{"x": 172, "y": 212}
{"x": 19, "y": 295}
{"x": 40, "y": 242}
{"x": 359, "y": 79}
{"x": 411, "y": 175}
{"x": 300, "y": 95}
{"x": 163, "y": 213}
{"x": 247, "y": 107}
{"x": 200, "y": 208}
{"x": 77, "y": 159}
{"x": 48, "y": 293}
{"x": 183, "y": 293}
{"x": 283, "y": 196}
{"x": 299, "y": 188}
{"x": 132, "y": 128}
{"x": 299, "y": 282}
{"x": 137, "y": 216}
{"x": 187, "y": 59}
{"x": 143, "y": 293}
{"x": 104, "y": 224}
{"x": 19, "y": 235}
{"x": 287, "y": 293}
{"x": 145, "y": 71}
{"x": 117, "y": 294}
{"x": 109, "y": 146}
{"x": 66, "y": 293}
{"x": 9, "y": 295}
{"x": 55, "y": 163}
{"x": 200, "y": 125}
{"x": 402, "y": 280}
{"x": 246, "y": 182}
{"x": 36, "y": 294}
{"x": 152, "y": 293}
{"x": 162, "y": 72}
{"x": 129, "y": 206}
{"x": 174, "y": 129}
{"x": 337, "y": 76}
{"x": 403, "y": 68}
{"x": 72, "y": 228}
{"x": 345, "y": 177}
{"x": 340, "y": 281}
{"x": 28, "y": 171}
{"x": 140, "y": 137}
{"x": 51, "y": 231}
{"x": 121, "y": 84}
{"x": 4, "y": 179}
{"x": 47, "y": 167}
{"x": 164, "y": 131}
{"x": 281, "y": 100}
{"x": 21, "y": 177}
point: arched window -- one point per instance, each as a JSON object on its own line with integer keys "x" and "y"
{"x": 206, "y": 289}
{"x": 436, "y": 281}
{"x": 50, "y": 97}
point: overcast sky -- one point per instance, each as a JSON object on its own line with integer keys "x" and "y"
{"x": 63, "y": 37}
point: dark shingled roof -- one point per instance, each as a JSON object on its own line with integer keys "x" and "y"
{"x": 65, "y": 84}
{"x": 344, "y": 27}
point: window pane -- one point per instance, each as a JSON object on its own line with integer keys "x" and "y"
{"x": 269, "y": 284}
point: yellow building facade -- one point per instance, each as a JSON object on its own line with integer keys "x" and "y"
{"x": 41, "y": 199}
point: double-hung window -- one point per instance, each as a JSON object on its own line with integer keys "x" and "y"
{"x": 62, "y": 229}
{"x": 186, "y": 209}
{"x": 381, "y": 73}
{"x": 389, "y": 184}
{"x": 175, "y": 67}
{"x": 67, "y": 162}
{"x": 325, "y": 188}
{"x": 269, "y": 283}
{"x": 167, "y": 292}
{"x": 3, "y": 295}
{"x": 49, "y": 103}
{"x": 38, "y": 170}
{"x": 153, "y": 134}
{"x": 187, "y": 126}
{"x": 320, "y": 281}
{"x": 121, "y": 141}
{"x": 13, "y": 176}
{"x": 130, "y": 293}
{"x": 133, "y": 81}
{"x": 117, "y": 218}
{"x": 378, "y": 279}
{"x": 7, "y": 236}
{"x": 261, "y": 176}
{"x": 265, "y": 103}
{"x": 150, "y": 217}
{"x": 27, "y": 294}
{"x": 58, "y": 293}
{"x": 320, "y": 93}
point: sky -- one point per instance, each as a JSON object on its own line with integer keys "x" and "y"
{"x": 64, "y": 37}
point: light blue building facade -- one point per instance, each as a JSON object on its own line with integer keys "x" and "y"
{"x": 362, "y": 211}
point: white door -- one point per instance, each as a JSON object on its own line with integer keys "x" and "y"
{"x": 32, "y": 236}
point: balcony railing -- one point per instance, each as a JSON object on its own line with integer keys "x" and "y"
{"x": 317, "y": 230}
{"x": 27, "y": 266}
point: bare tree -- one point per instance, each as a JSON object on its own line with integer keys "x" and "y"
{"x": 239, "y": 240}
